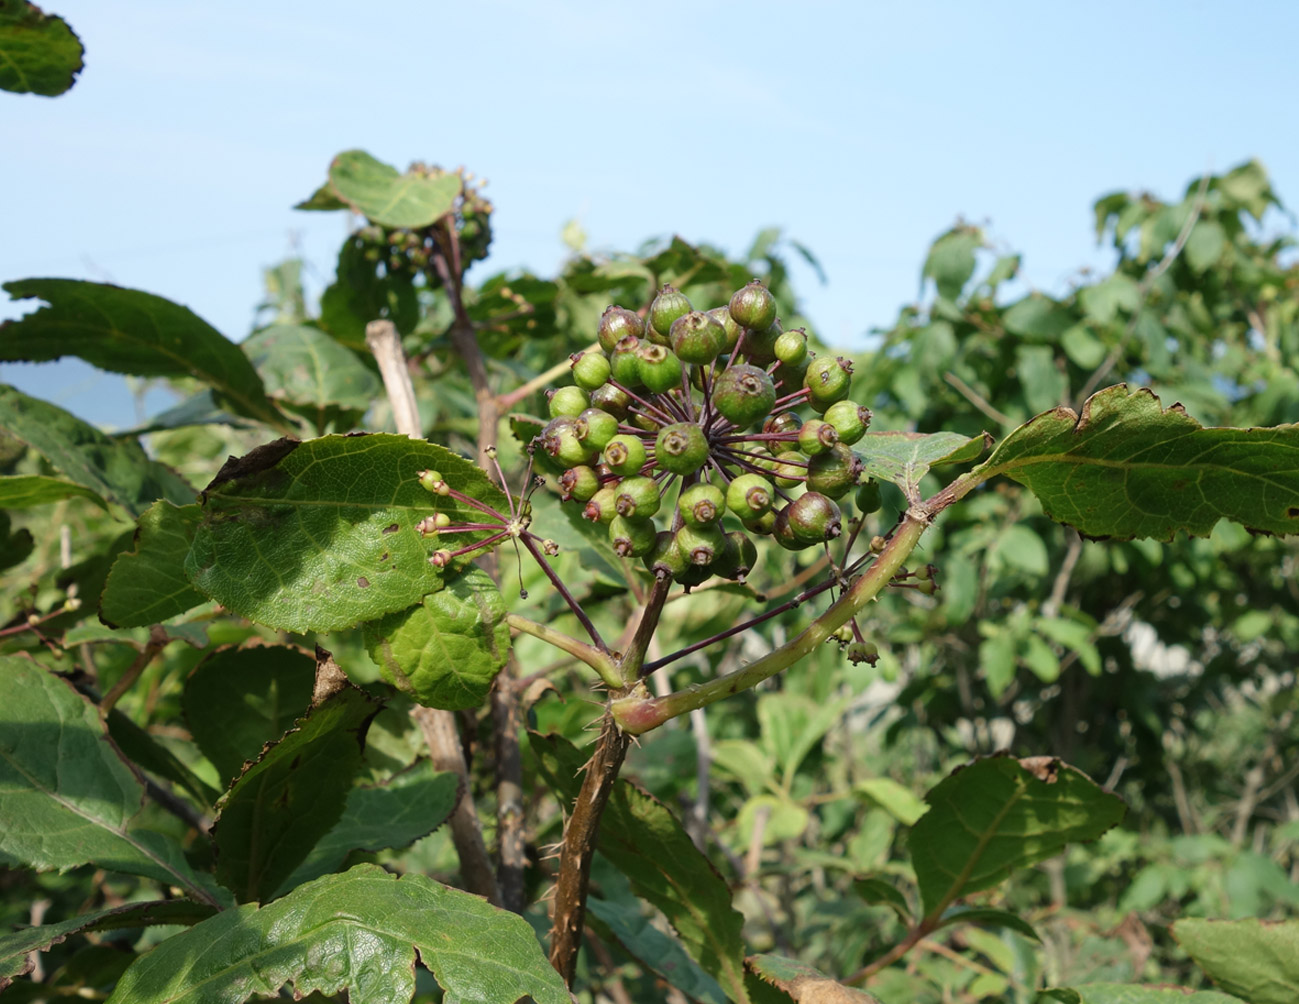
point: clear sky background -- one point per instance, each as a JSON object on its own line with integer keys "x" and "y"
{"x": 863, "y": 129}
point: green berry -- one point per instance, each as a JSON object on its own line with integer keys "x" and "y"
{"x": 780, "y": 424}
{"x": 759, "y": 345}
{"x": 701, "y": 504}
{"x": 623, "y": 362}
{"x": 827, "y": 380}
{"x": 595, "y": 427}
{"x": 632, "y": 538}
{"x": 743, "y": 394}
{"x": 849, "y": 419}
{"x": 681, "y": 448}
{"x": 568, "y": 401}
{"x": 813, "y": 518}
{"x": 816, "y": 437}
{"x": 737, "y": 558}
{"x": 590, "y": 370}
{"x": 669, "y": 305}
{"x": 788, "y": 378}
{"x": 722, "y": 315}
{"x": 699, "y": 545}
{"x": 749, "y": 496}
{"x": 659, "y": 368}
{"x": 579, "y": 483}
{"x": 615, "y": 324}
{"x": 753, "y": 306}
{"x": 835, "y": 472}
{"x": 764, "y": 524}
{"x": 625, "y": 454}
{"x": 697, "y": 338}
{"x": 637, "y": 497}
{"x": 868, "y": 498}
{"x": 783, "y": 534}
{"x": 789, "y": 469}
{"x": 614, "y": 400}
{"x": 559, "y": 440}
{"x": 791, "y": 347}
{"x": 665, "y": 558}
{"x": 602, "y": 507}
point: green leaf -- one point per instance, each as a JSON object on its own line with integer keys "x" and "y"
{"x": 648, "y": 844}
{"x": 117, "y": 470}
{"x": 989, "y": 917}
{"x": 998, "y": 814}
{"x": 1205, "y": 245}
{"x": 446, "y": 651}
{"x": 358, "y": 931}
{"x": 39, "y": 53}
{"x": 362, "y": 292}
{"x": 1038, "y": 318}
{"x": 280, "y": 806}
{"x": 1042, "y": 382}
{"x": 1128, "y": 993}
{"x": 1103, "y": 301}
{"x": 15, "y": 545}
{"x": 14, "y": 948}
{"x": 66, "y": 795}
{"x": 803, "y": 982}
{"x": 878, "y": 892}
{"x": 322, "y": 199}
{"x": 951, "y": 261}
{"x": 376, "y": 191}
{"x": 310, "y": 370}
{"x": 1128, "y": 468}
{"x": 905, "y": 457}
{"x": 1075, "y": 637}
{"x": 1247, "y": 187}
{"x": 411, "y": 805}
{"x": 148, "y": 585}
{"x": 1022, "y": 549}
{"x": 653, "y": 949}
{"x": 129, "y": 331}
{"x": 23, "y": 491}
{"x": 1253, "y": 959}
{"x": 148, "y": 754}
{"x": 998, "y": 660}
{"x": 238, "y": 700}
{"x": 898, "y": 801}
{"x": 322, "y": 535}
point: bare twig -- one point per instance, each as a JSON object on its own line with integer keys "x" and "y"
{"x": 156, "y": 643}
{"x": 1061, "y": 585}
{"x": 383, "y": 341}
{"x": 977, "y": 399}
{"x": 507, "y": 401}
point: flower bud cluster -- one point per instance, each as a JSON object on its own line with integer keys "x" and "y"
{"x": 689, "y": 432}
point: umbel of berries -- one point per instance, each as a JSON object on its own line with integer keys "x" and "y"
{"x": 694, "y": 429}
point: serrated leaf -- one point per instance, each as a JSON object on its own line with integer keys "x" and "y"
{"x": 66, "y": 795}
{"x": 446, "y": 651}
{"x": 996, "y": 815}
{"x": 905, "y": 457}
{"x": 377, "y": 817}
{"x": 648, "y": 844}
{"x": 358, "y": 931}
{"x": 322, "y": 535}
{"x": 14, "y": 948}
{"x": 39, "y": 53}
{"x": 148, "y": 585}
{"x": 310, "y": 370}
{"x": 115, "y": 469}
{"x": 901, "y": 803}
{"x": 1129, "y": 468}
{"x": 1253, "y": 959}
{"x": 1129, "y": 993}
{"x": 238, "y": 700}
{"x": 294, "y": 794}
{"x": 376, "y": 191}
{"x": 129, "y": 331}
{"x": 653, "y": 949}
{"x": 23, "y": 491}
{"x": 805, "y": 983}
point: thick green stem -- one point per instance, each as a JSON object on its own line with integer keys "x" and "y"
{"x": 601, "y": 662}
{"x": 639, "y": 713}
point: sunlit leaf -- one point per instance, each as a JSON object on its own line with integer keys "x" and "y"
{"x": 1253, "y": 959}
{"x": 379, "y": 193}
{"x": 39, "y": 53}
{"x": 148, "y": 585}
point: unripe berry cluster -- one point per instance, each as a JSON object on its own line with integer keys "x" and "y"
{"x": 687, "y": 432}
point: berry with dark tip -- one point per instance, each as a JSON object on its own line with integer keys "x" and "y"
{"x": 681, "y": 448}
{"x": 737, "y": 558}
{"x": 625, "y": 454}
{"x": 595, "y": 428}
{"x": 827, "y": 381}
{"x": 602, "y": 506}
{"x": 701, "y": 504}
{"x": 669, "y": 305}
{"x": 590, "y": 370}
{"x": 749, "y": 496}
{"x": 753, "y": 306}
{"x": 579, "y": 483}
{"x": 701, "y": 544}
{"x": 559, "y": 440}
{"x": 637, "y": 497}
{"x": 816, "y": 436}
{"x": 664, "y": 558}
{"x": 623, "y": 362}
{"x": 615, "y": 324}
{"x": 697, "y": 338}
{"x": 659, "y": 367}
{"x": 743, "y": 394}
{"x": 813, "y": 518}
{"x": 632, "y": 537}
{"x": 849, "y": 419}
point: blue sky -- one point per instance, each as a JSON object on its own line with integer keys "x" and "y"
{"x": 863, "y": 129}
